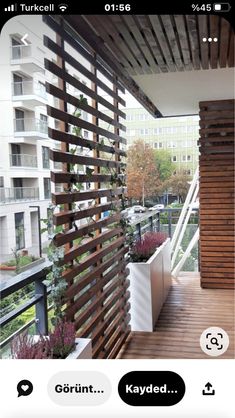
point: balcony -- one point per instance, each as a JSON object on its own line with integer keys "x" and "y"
{"x": 30, "y": 128}
{"x": 18, "y": 194}
{"x": 23, "y": 160}
{"x": 28, "y": 58}
{"x": 29, "y": 93}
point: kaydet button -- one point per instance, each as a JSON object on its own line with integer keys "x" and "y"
{"x": 149, "y": 388}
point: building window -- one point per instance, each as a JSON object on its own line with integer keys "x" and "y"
{"x": 1, "y": 181}
{"x": 183, "y": 158}
{"x": 85, "y": 134}
{"x": 47, "y": 188}
{"x": 144, "y": 131}
{"x": 189, "y": 158}
{"x": 155, "y": 145}
{"x": 174, "y": 159}
{"x": 19, "y": 230}
{"x": 45, "y": 157}
{"x": 171, "y": 144}
{"x": 160, "y": 145}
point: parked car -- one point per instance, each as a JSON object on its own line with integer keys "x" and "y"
{"x": 138, "y": 209}
{"x": 157, "y": 207}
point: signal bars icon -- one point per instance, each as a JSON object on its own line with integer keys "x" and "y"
{"x": 63, "y": 7}
{"x": 11, "y": 8}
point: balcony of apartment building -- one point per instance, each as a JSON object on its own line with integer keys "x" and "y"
{"x": 99, "y": 293}
{"x": 26, "y": 58}
{"x": 23, "y": 156}
{"x": 22, "y": 190}
{"x": 28, "y": 93}
{"x": 27, "y": 126}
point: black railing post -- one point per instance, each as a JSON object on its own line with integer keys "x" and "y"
{"x": 151, "y": 223}
{"x": 169, "y": 222}
{"x": 158, "y": 221}
{"x": 138, "y": 229}
{"x": 41, "y": 308}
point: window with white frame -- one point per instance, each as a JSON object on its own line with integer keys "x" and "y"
{"x": 174, "y": 158}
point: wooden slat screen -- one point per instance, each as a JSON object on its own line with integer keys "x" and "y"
{"x": 92, "y": 153}
{"x": 217, "y": 193}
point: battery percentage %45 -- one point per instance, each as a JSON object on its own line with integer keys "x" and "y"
{"x": 201, "y": 7}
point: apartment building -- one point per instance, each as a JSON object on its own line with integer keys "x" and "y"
{"x": 25, "y": 186}
{"x": 178, "y": 135}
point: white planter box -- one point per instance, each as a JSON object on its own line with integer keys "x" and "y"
{"x": 83, "y": 349}
{"x": 149, "y": 286}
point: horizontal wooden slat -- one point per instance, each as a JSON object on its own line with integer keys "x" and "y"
{"x": 66, "y": 157}
{"x": 73, "y": 120}
{"x": 78, "y": 141}
{"x": 63, "y": 217}
{"x": 121, "y": 320}
{"x": 92, "y": 259}
{"x": 60, "y": 198}
{"x": 64, "y": 177}
{"x": 85, "y": 279}
{"x": 68, "y": 236}
{"x": 121, "y": 306}
{"x": 79, "y": 67}
{"x": 93, "y": 290}
{"x": 90, "y": 244}
{"x": 116, "y": 290}
{"x": 60, "y": 73}
{"x": 68, "y": 98}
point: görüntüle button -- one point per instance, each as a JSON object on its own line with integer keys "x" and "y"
{"x": 151, "y": 388}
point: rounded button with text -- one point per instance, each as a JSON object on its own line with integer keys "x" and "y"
{"x": 151, "y": 388}
{"x": 79, "y": 388}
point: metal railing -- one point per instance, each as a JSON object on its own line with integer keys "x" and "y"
{"x": 145, "y": 222}
{"x": 35, "y": 276}
{"x": 28, "y": 87}
{"x": 23, "y": 160}
{"x": 14, "y": 194}
{"x": 30, "y": 125}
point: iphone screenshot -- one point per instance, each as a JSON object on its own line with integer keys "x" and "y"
{"x": 117, "y": 209}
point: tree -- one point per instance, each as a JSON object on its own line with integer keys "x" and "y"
{"x": 179, "y": 183}
{"x": 164, "y": 164}
{"x": 142, "y": 174}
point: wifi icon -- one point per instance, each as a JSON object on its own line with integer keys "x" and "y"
{"x": 63, "y": 7}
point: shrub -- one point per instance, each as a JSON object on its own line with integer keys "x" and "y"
{"x": 144, "y": 248}
{"x": 58, "y": 344}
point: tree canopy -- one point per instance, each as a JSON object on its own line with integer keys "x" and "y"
{"x": 143, "y": 177}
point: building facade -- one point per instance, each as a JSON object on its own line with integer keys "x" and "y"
{"x": 25, "y": 185}
{"x": 178, "y": 135}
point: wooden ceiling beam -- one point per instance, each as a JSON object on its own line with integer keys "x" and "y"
{"x": 204, "y": 48}
{"x": 224, "y": 42}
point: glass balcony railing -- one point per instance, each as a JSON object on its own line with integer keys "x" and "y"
{"x": 14, "y": 194}
{"x": 30, "y": 125}
{"x": 29, "y": 87}
{"x": 23, "y": 160}
{"x": 21, "y": 51}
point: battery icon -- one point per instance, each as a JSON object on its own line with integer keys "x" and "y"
{"x": 221, "y": 7}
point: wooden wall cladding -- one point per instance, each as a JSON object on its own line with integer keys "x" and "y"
{"x": 92, "y": 185}
{"x": 216, "y": 162}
